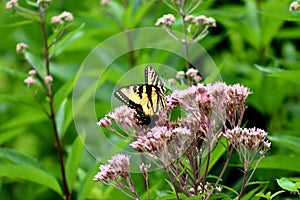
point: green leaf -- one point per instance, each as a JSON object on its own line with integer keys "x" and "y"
{"x": 297, "y": 185}
{"x": 14, "y": 73}
{"x": 25, "y": 118}
{"x": 27, "y": 168}
{"x": 117, "y": 11}
{"x": 73, "y": 161}
{"x": 63, "y": 42}
{"x": 261, "y": 194}
{"x": 281, "y": 162}
{"x": 270, "y": 94}
{"x": 229, "y": 189}
{"x": 290, "y": 142}
{"x": 34, "y": 4}
{"x": 251, "y": 194}
{"x": 214, "y": 196}
{"x": 277, "y": 193}
{"x": 64, "y": 117}
{"x": 60, "y": 118}
{"x": 8, "y": 135}
{"x": 141, "y": 12}
{"x": 15, "y": 99}
{"x": 173, "y": 196}
{"x": 19, "y": 158}
{"x": 216, "y": 154}
{"x": 87, "y": 184}
{"x": 30, "y": 173}
{"x": 36, "y": 63}
{"x": 62, "y": 93}
{"x": 250, "y": 28}
{"x": 54, "y": 35}
{"x": 289, "y": 33}
{"x": 68, "y": 117}
{"x": 127, "y": 17}
{"x": 17, "y": 24}
{"x": 268, "y": 69}
{"x": 153, "y": 189}
{"x": 286, "y": 184}
{"x": 272, "y": 20}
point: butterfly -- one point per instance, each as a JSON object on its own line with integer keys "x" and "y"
{"x": 144, "y": 98}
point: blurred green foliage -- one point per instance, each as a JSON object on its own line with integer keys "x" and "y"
{"x": 255, "y": 43}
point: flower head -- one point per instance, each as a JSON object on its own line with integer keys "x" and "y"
{"x": 21, "y": 47}
{"x": 32, "y": 72}
{"x": 180, "y": 75}
{"x": 29, "y": 81}
{"x": 48, "y": 79}
{"x": 124, "y": 116}
{"x": 294, "y": 6}
{"x": 12, "y": 4}
{"x": 252, "y": 139}
{"x": 189, "y": 18}
{"x": 62, "y": 18}
{"x": 197, "y": 79}
{"x": 166, "y": 20}
{"x": 66, "y": 16}
{"x": 182, "y": 131}
{"x": 144, "y": 167}
{"x": 156, "y": 138}
{"x": 191, "y": 72}
{"x": 200, "y": 20}
{"x": 237, "y": 94}
{"x": 104, "y": 122}
{"x": 118, "y": 166}
{"x": 106, "y": 174}
{"x": 208, "y": 21}
{"x": 171, "y": 81}
{"x": 121, "y": 164}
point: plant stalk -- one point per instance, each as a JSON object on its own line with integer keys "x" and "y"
{"x": 52, "y": 113}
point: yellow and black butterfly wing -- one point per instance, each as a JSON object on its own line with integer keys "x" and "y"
{"x": 144, "y": 98}
{"x": 150, "y": 100}
{"x": 152, "y": 79}
{"x": 136, "y": 97}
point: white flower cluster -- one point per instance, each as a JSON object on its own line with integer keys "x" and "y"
{"x": 166, "y": 20}
{"x": 62, "y": 18}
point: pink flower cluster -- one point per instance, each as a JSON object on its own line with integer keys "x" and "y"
{"x": 124, "y": 116}
{"x": 191, "y": 75}
{"x": 166, "y": 20}
{"x": 252, "y": 139}
{"x": 294, "y": 6}
{"x": 118, "y": 166}
{"x": 156, "y": 138}
{"x": 62, "y": 18}
{"x": 12, "y": 4}
{"x": 21, "y": 47}
{"x": 200, "y": 20}
{"x": 203, "y": 99}
{"x": 204, "y": 189}
{"x": 30, "y": 80}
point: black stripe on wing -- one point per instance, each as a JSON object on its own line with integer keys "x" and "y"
{"x": 152, "y": 78}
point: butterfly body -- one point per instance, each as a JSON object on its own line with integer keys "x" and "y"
{"x": 144, "y": 98}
